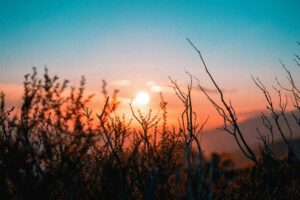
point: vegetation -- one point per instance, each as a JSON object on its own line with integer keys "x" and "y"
{"x": 56, "y": 148}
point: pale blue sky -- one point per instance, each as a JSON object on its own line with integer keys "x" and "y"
{"x": 146, "y": 39}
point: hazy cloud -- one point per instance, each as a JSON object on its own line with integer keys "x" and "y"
{"x": 122, "y": 83}
{"x": 214, "y": 91}
{"x": 154, "y": 87}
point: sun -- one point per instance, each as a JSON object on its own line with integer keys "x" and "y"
{"x": 142, "y": 98}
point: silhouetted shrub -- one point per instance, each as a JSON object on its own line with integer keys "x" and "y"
{"x": 53, "y": 147}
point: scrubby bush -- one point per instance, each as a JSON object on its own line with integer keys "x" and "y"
{"x": 54, "y": 147}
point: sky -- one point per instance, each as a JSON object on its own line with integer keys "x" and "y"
{"x": 137, "y": 45}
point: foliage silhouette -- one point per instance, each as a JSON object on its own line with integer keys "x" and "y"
{"x": 55, "y": 147}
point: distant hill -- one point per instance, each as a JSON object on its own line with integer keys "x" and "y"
{"x": 279, "y": 149}
{"x": 216, "y": 140}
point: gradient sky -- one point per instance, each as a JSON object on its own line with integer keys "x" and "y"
{"x": 130, "y": 43}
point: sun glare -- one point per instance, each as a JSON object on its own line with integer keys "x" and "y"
{"x": 142, "y": 98}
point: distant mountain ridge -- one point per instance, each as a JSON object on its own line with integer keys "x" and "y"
{"x": 216, "y": 140}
